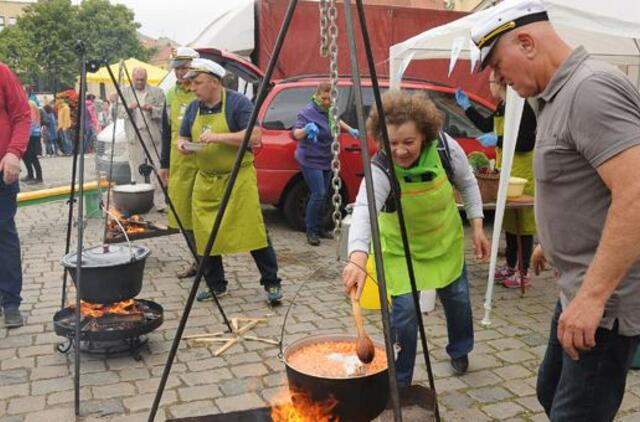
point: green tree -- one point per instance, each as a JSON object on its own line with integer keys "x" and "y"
{"x": 41, "y": 46}
{"x": 109, "y": 31}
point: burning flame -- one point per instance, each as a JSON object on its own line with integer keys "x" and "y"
{"x": 97, "y": 310}
{"x": 129, "y": 224}
{"x": 298, "y": 407}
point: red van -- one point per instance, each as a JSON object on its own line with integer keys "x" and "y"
{"x": 280, "y": 181}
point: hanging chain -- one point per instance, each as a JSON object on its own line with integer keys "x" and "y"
{"x": 324, "y": 32}
{"x": 336, "y": 182}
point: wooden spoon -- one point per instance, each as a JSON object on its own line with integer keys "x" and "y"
{"x": 364, "y": 345}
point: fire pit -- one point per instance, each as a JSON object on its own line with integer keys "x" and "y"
{"x": 110, "y": 329}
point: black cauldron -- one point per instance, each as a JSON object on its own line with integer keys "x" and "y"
{"x": 109, "y": 274}
{"x": 359, "y": 398}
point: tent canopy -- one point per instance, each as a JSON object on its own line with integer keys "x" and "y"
{"x": 154, "y": 73}
{"x": 609, "y": 30}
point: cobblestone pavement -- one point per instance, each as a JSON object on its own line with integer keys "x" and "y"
{"x": 36, "y": 381}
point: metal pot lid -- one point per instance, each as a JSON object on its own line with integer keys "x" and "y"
{"x": 134, "y": 188}
{"x": 96, "y": 257}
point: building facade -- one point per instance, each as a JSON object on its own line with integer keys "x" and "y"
{"x": 10, "y": 11}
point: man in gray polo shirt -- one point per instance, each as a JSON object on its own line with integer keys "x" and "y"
{"x": 587, "y": 171}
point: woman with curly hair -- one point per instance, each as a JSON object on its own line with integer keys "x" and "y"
{"x": 428, "y": 164}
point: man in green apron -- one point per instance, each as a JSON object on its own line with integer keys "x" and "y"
{"x": 218, "y": 119}
{"x": 178, "y": 171}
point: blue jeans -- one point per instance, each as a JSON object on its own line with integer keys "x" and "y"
{"x": 10, "y": 264}
{"x": 591, "y": 388}
{"x": 318, "y": 183}
{"x": 264, "y": 258}
{"x": 404, "y": 325}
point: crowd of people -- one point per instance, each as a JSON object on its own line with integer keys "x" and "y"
{"x": 53, "y": 129}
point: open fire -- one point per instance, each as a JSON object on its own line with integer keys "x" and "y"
{"x": 133, "y": 224}
{"x": 97, "y": 310}
{"x": 298, "y": 407}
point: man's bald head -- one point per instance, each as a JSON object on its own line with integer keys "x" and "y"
{"x": 527, "y": 57}
{"x": 139, "y": 76}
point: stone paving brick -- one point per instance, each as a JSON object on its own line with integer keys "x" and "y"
{"x": 243, "y": 401}
{"x": 196, "y": 408}
{"x": 55, "y": 414}
{"x": 68, "y": 396}
{"x": 203, "y": 392}
{"x": 48, "y": 372}
{"x": 489, "y": 394}
{"x": 501, "y": 411}
{"x": 145, "y": 401}
{"x": 503, "y": 365}
{"x": 121, "y": 389}
{"x": 511, "y": 372}
{"x": 250, "y": 370}
{"x": 14, "y": 390}
{"x": 25, "y": 405}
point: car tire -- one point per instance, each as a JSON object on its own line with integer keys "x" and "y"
{"x": 295, "y": 204}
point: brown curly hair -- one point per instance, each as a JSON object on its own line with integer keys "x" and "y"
{"x": 401, "y": 107}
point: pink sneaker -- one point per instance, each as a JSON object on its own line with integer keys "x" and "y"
{"x": 503, "y": 272}
{"x": 514, "y": 281}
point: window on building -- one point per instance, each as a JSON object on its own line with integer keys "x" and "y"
{"x": 1, "y": 23}
{"x": 12, "y": 21}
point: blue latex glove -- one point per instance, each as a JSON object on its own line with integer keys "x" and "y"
{"x": 355, "y": 133}
{"x": 312, "y": 130}
{"x": 462, "y": 99}
{"x": 488, "y": 139}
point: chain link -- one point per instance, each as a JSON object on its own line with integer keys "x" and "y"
{"x": 336, "y": 182}
{"x": 324, "y": 33}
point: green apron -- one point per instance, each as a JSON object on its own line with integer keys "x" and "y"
{"x": 522, "y": 166}
{"x": 434, "y": 229}
{"x": 242, "y": 228}
{"x": 182, "y": 168}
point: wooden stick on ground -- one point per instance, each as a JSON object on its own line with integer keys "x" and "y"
{"x": 192, "y": 336}
{"x": 226, "y": 346}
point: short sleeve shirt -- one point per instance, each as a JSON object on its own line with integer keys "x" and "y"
{"x": 237, "y": 113}
{"x": 589, "y": 113}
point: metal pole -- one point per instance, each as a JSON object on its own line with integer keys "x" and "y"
{"x": 190, "y": 244}
{"x": 262, "y": 94}
{"x": 80, "y": 48}
{"x": 373, "y": 212}
{"x": 113, "y": 147}
{"x": 144, "y": 119}
{"x": 396, "y": 195}
{"x": 71, "y": 201}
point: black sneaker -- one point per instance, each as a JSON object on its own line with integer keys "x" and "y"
{"x": 13, "y": 318}
{"x": 207, "y": 296}
{"x": 274, "y": 294}
{"x": 313, "y": 239}
{"x": 460, "y": 365}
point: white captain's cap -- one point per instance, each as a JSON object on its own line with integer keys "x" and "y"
{"x": 199, "y": 66}
{"x": 506, "y": 16}
{"x": 183, "y": 56}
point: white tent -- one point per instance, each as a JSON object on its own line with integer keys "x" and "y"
{"x": 610, "y": 30}
{"x": 232, "y": 31}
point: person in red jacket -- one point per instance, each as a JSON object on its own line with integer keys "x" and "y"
{"x": 15, "y": 127}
